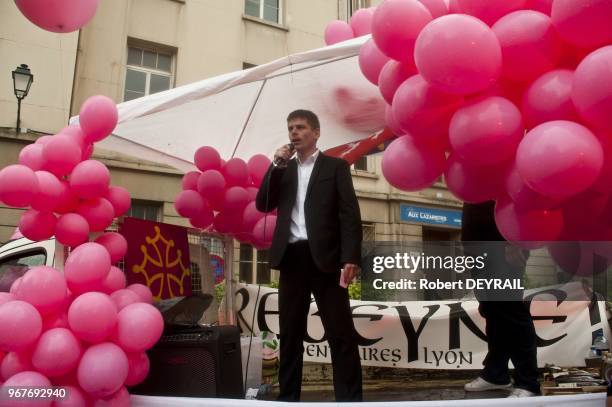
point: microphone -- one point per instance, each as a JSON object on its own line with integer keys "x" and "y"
{"x": 280, "y": 161}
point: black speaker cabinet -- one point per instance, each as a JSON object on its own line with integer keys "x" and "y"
{"x": 197, "y": 362}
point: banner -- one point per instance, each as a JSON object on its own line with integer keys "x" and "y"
{"x": 158, "y": 257}
{"x": 438, "y": 334}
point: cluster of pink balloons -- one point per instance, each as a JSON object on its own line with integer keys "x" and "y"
{"x": 83, "y": 329}
{"x": 359, "y": 24}
{"x": 68, "y": 193}
{"x": 509, "y": 100}
{"x": 58, "y": 16}
{"x": 221, "y": 197}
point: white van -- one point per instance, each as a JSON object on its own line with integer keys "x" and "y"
{"x": 17, "y": 256}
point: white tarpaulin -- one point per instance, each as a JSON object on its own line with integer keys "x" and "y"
{"x": 437, "y": 334}
{"x": 582, "y": 400}
{"x": 243, "y": 113}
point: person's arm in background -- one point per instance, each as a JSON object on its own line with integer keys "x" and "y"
{"x": 269, "y": 190}
{"x": 350, "y": 223}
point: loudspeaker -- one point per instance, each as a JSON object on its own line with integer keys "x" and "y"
{"x": 198, "y": 362}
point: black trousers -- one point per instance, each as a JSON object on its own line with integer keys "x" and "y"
{"x": 299, "y": 277}
{"x": 510, "y": 336}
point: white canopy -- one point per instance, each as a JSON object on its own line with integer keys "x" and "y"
{"x": 243, "y": 113}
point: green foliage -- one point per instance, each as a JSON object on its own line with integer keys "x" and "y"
{"x": 220, "y": 292}
{"x": 354, "y": 290}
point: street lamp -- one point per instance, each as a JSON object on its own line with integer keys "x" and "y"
{"x": 22, "y": 79}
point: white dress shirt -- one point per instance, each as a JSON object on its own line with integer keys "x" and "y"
{"x": 297, "y": 230}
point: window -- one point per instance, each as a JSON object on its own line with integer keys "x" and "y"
{"x": 16, "y": 266}
{"x": 369, "y": 232}
{"x": 268, "y": 10}
{"x": 254, "y": 267}
{"x": 147, "y": 210}
{"x": 361, "y": 164}
{"x": 148, "y": 71}
{"x": 354, "y": 5}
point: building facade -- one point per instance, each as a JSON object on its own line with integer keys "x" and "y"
{"x": 134, "y": 48}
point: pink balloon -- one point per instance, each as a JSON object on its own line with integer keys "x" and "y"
{"x": 410, "y": 167}
{"x": 90, "y": 179}
{"x": 25, "y": 379}
{"x": 18, "y": 185}
{"x": 371, "y": 61}
{"x": 98, "y": 212}
{"x": 252, "y": 193}
{"x": 58, "y": 16}
{"x": 579, "y": 226}
{"x": 236, "y": 199}
{"x": 74, "y": 398}
{"x": 76, "y": 134}
{"x": 115, "y": 280}
{"x": 475, "y": 63}
{"x": 396, "y": 26}
{"x": 190, "y": 180}
{"x": 92, "y": 317}
{"x": 32, "y": 156}
{"x": 392, "y": 75}
{"x": 72, "y": 229}
{"x": 224, "y": 222}
{"x": 361, "y": 22}
{"x": 43, "y": 140}
{"x": 115, "y": 243}
{"x": 236, "y": 172}
{"x": 98, "y": 118}
{"x": 56, "y": 353}
{"x": 474, "y": 183}
{"x": 188, "y": 203}
{"x": 139, "y": 368}
{"x": 250, "y": 217}
{"x": 258, "y": 166}
{"x": 524, "y": 197}
{"x": 49, "y": 193}
{"x": 143, "y": 292}
{"x": 15, "y": 286}
{"x": 139, "y": 327}
{"x": 264, "y": 231}
{"x": 549, "y": 98}
{"x": 437, "y": 8}
{"x": 391, "y": 122}
{"x": 37, "y": 225}
{"x": 21, "y": 326}
{"x": 527, "y": 35}
{"x": 487, "y": 131}
{"x": 603, "y": 184}
{"x": 87, "y": 267}
{"x": 120, "y": 199}
{"x": 102, "y": 369}
{"x": 124, "y": 297}
{"x": 43, "y": 287}
{"x": 15, "y": 362}
{"x": 204, "y": 218}
{"x": 584, "y": 23}
{"x": 87, "y": 152}
{"x": 338, "y": 31}
{"x": 543, "y": 6}
{"x": 423, "y": 111}
{"x": 68, "y": 201}
{"x": 61, "y": 155}
{"x": 485, "y": 10}
{"x": 592, "y": 91}
{"x": 559, "y": 159}
{"x": 529, "y": 229}
{"x": 121, "y": 398}
{"x": 207, "y": 158}
{"x": 211, "y": 185}
{"x": 6, "y": 297}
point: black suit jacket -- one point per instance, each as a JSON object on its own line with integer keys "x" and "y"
{"x": 333, "y": 221}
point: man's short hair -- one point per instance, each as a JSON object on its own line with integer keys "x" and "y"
{"x": 310, "y": 117}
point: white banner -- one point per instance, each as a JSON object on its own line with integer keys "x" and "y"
{"x": 437, "y": 334}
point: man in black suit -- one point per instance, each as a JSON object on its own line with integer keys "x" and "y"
{"x": 317, "y": 242}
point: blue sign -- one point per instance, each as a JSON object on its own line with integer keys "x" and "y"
{"x": 430, "y": 216}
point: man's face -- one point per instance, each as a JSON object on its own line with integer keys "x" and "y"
{"x": 303, "y": 137}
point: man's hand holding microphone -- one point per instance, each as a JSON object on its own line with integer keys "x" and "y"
{"x": 283, "y": 155}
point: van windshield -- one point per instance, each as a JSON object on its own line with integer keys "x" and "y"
{"x": 11, "y": 268}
